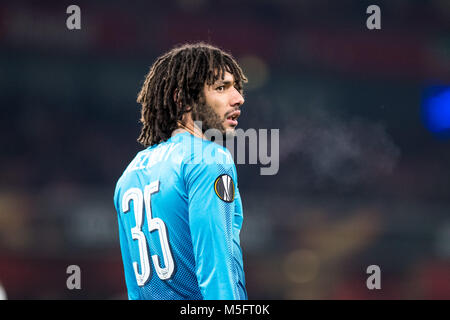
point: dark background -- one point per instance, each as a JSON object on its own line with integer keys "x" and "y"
{"x": 363, "y": 179}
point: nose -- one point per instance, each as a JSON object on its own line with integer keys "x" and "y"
{"x": 237, "y": 99}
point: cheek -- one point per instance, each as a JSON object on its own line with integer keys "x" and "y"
{"x": 219, "y": 106}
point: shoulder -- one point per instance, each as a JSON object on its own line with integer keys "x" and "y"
{"x": 204, "y": 152}
{"x": 204, "y": 160}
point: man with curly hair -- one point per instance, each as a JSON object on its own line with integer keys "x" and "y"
{"x": 179, "y": 208}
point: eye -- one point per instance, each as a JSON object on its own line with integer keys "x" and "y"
{"x": 220, "y": 88}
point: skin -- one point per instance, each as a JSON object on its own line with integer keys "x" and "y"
{"x": 224, "y": 100}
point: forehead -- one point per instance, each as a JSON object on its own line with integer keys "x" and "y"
{"x": 227, "y": 77}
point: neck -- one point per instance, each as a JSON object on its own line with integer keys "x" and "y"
{"x": 189, "y": 127}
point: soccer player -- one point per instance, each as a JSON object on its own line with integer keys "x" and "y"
{"x": 178, "y": 203}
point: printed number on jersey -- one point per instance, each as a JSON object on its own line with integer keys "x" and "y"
{"x": 142, "y": 201}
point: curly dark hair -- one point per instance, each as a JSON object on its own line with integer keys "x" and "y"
{"x": 175, "y": 85}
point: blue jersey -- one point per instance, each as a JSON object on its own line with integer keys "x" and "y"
{"x": 180, "y": 215}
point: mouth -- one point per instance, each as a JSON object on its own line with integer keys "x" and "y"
{"x": 232, "y": 118}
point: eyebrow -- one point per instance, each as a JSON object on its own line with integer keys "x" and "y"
{"x": 224, "y": 82}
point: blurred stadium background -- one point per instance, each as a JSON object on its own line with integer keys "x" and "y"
{"x": 364, "y": 120}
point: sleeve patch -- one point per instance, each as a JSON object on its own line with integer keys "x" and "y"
{"x": 224, "y": 188}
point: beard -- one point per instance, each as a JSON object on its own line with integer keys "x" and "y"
{"x": 210, "y": 122}
{"x": 209, "y": 119}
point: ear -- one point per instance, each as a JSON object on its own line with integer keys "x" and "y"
{"x": 176, "y": 96}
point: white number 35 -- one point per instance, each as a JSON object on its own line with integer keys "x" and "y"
{"x": 141, "y": 201}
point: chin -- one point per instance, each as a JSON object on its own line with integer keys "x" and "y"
{"x": 230, "y": 132}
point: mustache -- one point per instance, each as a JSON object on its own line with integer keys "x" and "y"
{"x": 231, "y": 111}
